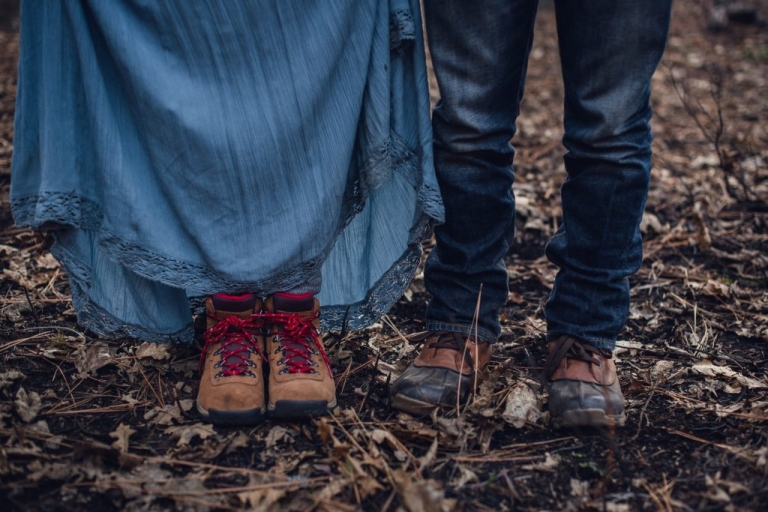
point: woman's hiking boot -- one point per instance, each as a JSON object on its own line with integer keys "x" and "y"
{"x": 300, "y": 380}
{"x": 232, "y": 383}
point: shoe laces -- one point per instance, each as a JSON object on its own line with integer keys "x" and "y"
{"x": 298, "y": 341}
{"x": 445, "y": 340}
{"x": 237, "y": 344}
{"x": 572, "y": 349}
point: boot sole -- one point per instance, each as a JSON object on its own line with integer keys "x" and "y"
{"x": 412, "y": 406}
{"x": 588, "y": 418}
{"x": 299, "y": 409}
{"x": 232, "y": 418}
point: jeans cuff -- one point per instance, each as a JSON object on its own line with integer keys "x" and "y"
{"x": 601, "y": 343}
{"x": 467, "y": 330}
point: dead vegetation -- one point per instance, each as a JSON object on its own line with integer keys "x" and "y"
{"x": 89, "y": 424}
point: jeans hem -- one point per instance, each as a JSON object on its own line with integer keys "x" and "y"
{"x": 601, "y": 343}
{"x": 466, "y": 330}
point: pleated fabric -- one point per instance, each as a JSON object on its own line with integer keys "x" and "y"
{"x": 186, "y": 147}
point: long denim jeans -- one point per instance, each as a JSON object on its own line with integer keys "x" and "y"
{"x": 609, "y": 50}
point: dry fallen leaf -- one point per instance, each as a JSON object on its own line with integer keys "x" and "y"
{"x": 7, "y": 378}
{"x": 523, "y": 405}
{"x": 46, "y": 261}
{"x": 236, "y": 441}
{"x": 260, "y": 500}
{"x": 186, "y": 433}
{"x": 121, "y": 435}
{"x": 420, "y": 495}
{"x": 708, "y": 369}
{"x": 167, "y": 415}
{"x": 278, "y": 434}
{"x": 91, "y": 357}
{"x": 550, "y": 463}
{"x": 28, "y": 405}
{"x": 157, "y": 351}
{"x": 464, "y": 476}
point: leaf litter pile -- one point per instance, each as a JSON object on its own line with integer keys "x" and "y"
{"x": 93, "y": 424}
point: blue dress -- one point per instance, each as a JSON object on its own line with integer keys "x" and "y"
{"x": 187, "y": 147}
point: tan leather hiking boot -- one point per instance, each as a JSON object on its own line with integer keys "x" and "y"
{"x": 232, "y": 383}
{"x": 584, "y": 389}
{"x": 300, "y": 380}
{"x": 443, "y": 375}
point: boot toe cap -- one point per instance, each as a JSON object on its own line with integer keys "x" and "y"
{"x": 427, "y": 388}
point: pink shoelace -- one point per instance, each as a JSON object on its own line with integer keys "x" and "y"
{"x": 236, "y": 337}
{"x": 299, "y": 340}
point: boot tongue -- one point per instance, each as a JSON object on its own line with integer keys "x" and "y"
{"x": 303, "y": 305}
{"x": 234, "y": 305}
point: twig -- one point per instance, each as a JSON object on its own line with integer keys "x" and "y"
{"x": 56, "y": 328}
{"x": 31, "y": 306}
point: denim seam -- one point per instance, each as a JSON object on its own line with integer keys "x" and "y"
{"x": 467, "y": 330}
{"x": 604, "y": 343}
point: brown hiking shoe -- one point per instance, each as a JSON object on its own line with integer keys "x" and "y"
{"x": 300, "y": 380}
{"x": 584, "y": 390}
{"x": 232, "y": 384}
{"x": 443, "y": 375}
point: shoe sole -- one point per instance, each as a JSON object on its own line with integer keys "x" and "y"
{"x": 589, "y": 418}
{"x": 299, "y": 409}
{"x": 232, "y": 418}
{"x": 412, "y": 406}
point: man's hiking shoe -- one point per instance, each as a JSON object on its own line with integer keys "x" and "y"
{"x": 300, "y": 380}
{"x": 583, "y": 388}
{"x": 232, "y": 384}
{"x": 443, "y": 375}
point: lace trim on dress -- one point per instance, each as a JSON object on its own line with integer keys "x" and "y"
{"x": 49, "y": 210}
{"x": 61, "y": 210}
{"x": 91, "y": 316}
{"x": 402, "y": 29}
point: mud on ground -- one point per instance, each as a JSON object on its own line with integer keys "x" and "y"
{"x": 99, "y": 425}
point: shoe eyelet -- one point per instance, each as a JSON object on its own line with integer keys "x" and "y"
{"x": 280, "y": 362}
{"x": 217, "y": 365}
{"x": 218, "y": 375}
{"x": 217, "y": 353}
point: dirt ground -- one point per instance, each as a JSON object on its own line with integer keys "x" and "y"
{"x": 88, "y": 424}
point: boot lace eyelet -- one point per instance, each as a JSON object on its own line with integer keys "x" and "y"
{"x": 237, "y": 341}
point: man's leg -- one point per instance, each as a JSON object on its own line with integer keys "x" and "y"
{"x": 609, "y": 51}
{"x": 480, "y": 54}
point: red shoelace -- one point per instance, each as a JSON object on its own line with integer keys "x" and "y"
{"x": 299, "y": 340}
{"x": 236, "y": 337}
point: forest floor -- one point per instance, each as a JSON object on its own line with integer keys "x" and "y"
{"x": 88, "y": 424}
